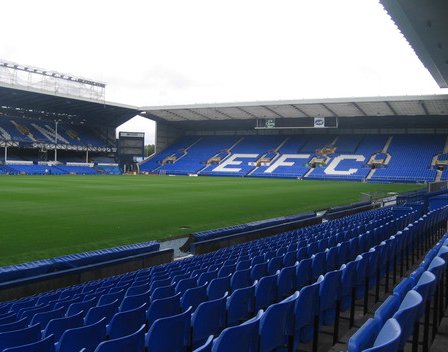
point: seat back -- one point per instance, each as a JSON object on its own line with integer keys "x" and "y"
{"x": 44, "y": 345}
{"x": 134, "y": 342}
{"x": 241, "y": 338}
{"x": 107, "y": 311}
{"x": 208, "y": 319}
{"x": 125, "y": 323}
{"x": 20, "y": 337}
{"x": 88, "y": 337}
{"x": 193, "y": 297}
{"x": 178, "y": 327}
{"x": 276, "y": 325}
{"x": 57, "y": 326}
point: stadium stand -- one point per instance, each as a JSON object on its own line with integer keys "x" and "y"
{"x": 380, "y": 158}
{"x": 23, "y": 130}
{"x": 409, "y": 307}
{"x": 44, "y": 266}
{"x": 253, "y": 284}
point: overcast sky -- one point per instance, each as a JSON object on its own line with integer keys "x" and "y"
{"x": 204, "y": 51}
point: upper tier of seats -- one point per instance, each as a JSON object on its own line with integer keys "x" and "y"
{"x": 27, "y": 131}
{"x": 407, "y": 158}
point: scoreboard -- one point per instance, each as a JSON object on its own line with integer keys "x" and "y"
{"x": 131, "y": 147}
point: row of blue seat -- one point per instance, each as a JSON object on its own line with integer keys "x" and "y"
{"x": 44, "y": 266}
{"x": 144, "y": 275}
{"x": 320, "y": 302}
{"x": 399, "y": 316}
{"x": 21, "y": 305}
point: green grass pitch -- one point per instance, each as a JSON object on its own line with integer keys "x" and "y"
{"x": 47, "y": 216}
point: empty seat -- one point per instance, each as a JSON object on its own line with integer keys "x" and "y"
{"x": 218, "y": 287}
{"x": 20, "y": 337}
{"x": 241, "y": 338}
{"x": 107, "y": 311}
{"x": 178, "y": 327}
{"x": 44, "y": 317}
{"x": 17, "y": 325}
{"x": 87, "y": 337}
{"x": 193, "y": 297}
{"x": 276, "y": 325}
{"x": 57, "y": 326}
{"x": 240, "y": 305}
{"x": 125, "y": 323}
{"x": 164, "y": 307}
{"x": 208, "y": 319}
{"x": 44, "y": 345}
{"x": 134, "y": 342}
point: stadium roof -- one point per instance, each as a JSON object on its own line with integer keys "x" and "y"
{"x": 425, "y": 26}
{"x": 34, "y": 103}
{"x": 428, "y": 105}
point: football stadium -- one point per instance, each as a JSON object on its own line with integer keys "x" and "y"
{"x": 284, "y": 225}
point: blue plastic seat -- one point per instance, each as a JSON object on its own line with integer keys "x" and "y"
{"x": 243, "y": 264}
{"x": 19, "y": 324}
{"x": 287, "y": 281}
{"x": 208, "y": 319}
{"x": 185, "y": 284}
{"x": 306, "y": 310}
{"x": 135, "y": 301}
{"x": 44, "y": 317}
{"x": 134, "y": 342}
{"x": 329, "y": 301}
{"x": 226, "y": 270}
{"x": 406, "y": 315}
{"x": 276, "y": 325}
{"x": 304, "y": 275}
{"x": 318, "y": 264}
{"x": 241, "y": 338}
{"x": 275, "y": 264}
{"x": 7, "y": 318}
{"x": 241, "y": 278}
{"x": 107, "y": 311}
{"x": 110, "y": 297}
{"x": 258, "y": 271}
{"x": 240, "y": 305}
{"x": 193, "y": 297}
{"x": 207, "y": 346}
{"x": 26, "y": 303}
{"x": 217, "y": 287}
{"x": 138, "y": 289}
{"x": 20, "y": 337}
{"x": 178, "y": 327}
{"x": 57, "y": 326}
{"x": 365, "y": 336}
{"x": 163, "y": 292}
{"x": 332, "y": 258}
{"x": 75, "y": 308}
{"x": 387, "y": 309}
{"x": 290, "y": 258}
{"x": 159, "y": 283}
{"x": 403, "y": 287}
{"x": 44, "y": 345}
{"x": 266, "y": 291}
{"x": 164, "y": 307}
{"x": 87, "y": 337}
{"x": 388, "y": 338}
{"x": 207, "y": 277}
{"x": 30, "y": 312}
{"x": 125, "y": 323}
